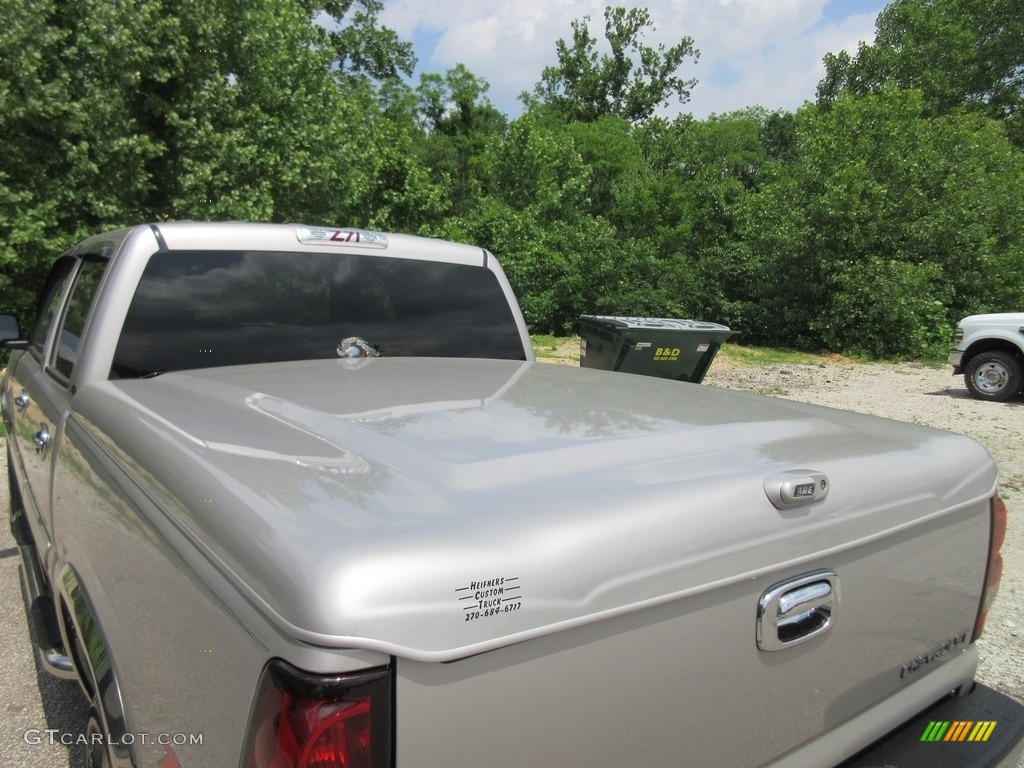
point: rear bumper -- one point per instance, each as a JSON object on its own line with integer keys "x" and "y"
{"x": 907, "y": 747}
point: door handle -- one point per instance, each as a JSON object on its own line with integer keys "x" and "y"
{"x": 41, "y": 440}
{"x": 797, "y": 610}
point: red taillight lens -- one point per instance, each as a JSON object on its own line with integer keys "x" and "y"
{"x": 311, "y": 721}
{"x": 328, "y": 734}
{"x": 994, "y": 572}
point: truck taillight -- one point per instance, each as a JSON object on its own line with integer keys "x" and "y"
{"x": 313, "y": 721}
{"x": 994, "y": 572}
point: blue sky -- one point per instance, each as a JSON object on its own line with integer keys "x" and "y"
{"x": 753, "y": 52}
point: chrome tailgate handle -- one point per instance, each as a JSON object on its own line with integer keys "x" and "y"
{"x": 797, "y": 610}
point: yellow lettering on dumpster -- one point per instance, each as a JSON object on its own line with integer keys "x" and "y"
{"x": 666, "y": 353}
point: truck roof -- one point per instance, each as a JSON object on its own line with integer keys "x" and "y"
{"x": 238, "y": 235}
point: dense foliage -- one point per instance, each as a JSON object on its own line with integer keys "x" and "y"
{"x": 868, "y": 222}
{"x": 958, "y": 53}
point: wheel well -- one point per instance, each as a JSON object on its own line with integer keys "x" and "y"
{"x": 74, "y": 647}
{"x": 85, "y": 642}
{"x": 991, "y": 345}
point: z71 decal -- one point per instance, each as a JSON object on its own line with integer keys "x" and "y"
{"x": 342, "y": 237}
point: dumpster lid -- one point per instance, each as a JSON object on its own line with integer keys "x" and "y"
{"x": 652, "y": 323}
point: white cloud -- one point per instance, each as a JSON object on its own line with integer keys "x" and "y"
{"x": 780, "y": 71}
{"x": 753, "y": 52}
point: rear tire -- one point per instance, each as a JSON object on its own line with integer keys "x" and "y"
{"x": 995, "y": 376}
{"x": 97, "y": 750}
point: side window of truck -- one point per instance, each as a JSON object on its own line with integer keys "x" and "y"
{"x": 70, "y": 334}
{"x": 49, "y": 303}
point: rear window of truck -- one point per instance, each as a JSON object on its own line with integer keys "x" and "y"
{"x": 199, "y": 309}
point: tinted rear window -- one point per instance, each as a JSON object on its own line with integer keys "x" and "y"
{"x": 204, "y": 309}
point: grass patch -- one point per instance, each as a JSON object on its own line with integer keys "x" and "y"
{"x": 545, "y": 345}
{"x": 738, "y": 355}
{"x": 556, "y": 349}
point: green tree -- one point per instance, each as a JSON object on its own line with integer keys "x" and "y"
{"x": 288, "y": 125}
{"x": 610, "y": 149}
{"x": 683, "y": 203}
{"x": 360, "y": 45}
{"x": 119, "y": 111}
{"x": 77, "y": 152}
{"x": 889, "y": 226}
{"x": 631, "y": 82}
{"x": 457, "y": 121}
{"x": 531, "y": 208}
{"x": 958, "y": 53}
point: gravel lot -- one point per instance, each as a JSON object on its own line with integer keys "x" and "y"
{"x": 933, "y": 397}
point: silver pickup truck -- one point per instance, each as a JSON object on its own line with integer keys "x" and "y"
{"x": 299, "y": 497}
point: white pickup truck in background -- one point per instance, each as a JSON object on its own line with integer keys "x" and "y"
{"x": 989, "y": 351}
{"x": 304, "y": 491}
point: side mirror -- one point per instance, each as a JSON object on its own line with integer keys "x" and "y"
{"x": 10, "y": 333}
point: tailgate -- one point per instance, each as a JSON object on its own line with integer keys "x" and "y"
{"x": 684, "y": 682}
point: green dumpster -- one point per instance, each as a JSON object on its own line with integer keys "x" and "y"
{"x": 670, "y": 349}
